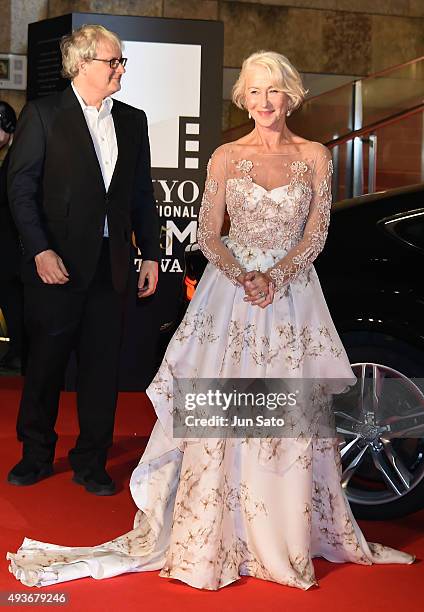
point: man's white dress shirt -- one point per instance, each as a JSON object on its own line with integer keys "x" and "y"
{"x": 102, "y": 131}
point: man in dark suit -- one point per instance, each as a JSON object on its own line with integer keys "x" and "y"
{"x": 11, "y": 302}
{"x": 79, "y": 183}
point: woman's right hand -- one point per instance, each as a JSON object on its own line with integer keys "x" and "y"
{"x": 259, "y": 289}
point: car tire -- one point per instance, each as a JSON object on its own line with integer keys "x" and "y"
{"x": 371, "y": 347}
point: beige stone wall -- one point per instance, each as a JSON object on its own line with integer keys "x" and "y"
{"x": 318, "y": 40}
{"x": 343, "y": 37}
{"x": 408, "y": 8}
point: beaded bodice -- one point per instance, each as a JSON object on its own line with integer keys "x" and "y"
{"x": 274, "y": 200}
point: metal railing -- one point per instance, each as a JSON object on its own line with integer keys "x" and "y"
{"x": 364, "y": 144}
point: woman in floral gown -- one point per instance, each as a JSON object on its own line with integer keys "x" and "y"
{"x": 213, "y": 509}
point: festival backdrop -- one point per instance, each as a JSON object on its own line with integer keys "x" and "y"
{"x": 174, "y": 73}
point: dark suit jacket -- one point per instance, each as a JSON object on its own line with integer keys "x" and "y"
{"x": 57, "y": 194}
{"x": 10, "y": 252}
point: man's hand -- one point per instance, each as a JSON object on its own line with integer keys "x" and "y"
{"x": 51, "y": 268}
{"x": 148, "y": 278}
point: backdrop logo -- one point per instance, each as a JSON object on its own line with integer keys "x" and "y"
{"x": 174, "y": 74}
{"x": 164, "y": 80}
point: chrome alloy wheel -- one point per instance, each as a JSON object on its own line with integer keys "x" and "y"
{"x": 381, "y": 423}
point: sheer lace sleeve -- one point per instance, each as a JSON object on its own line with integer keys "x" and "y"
{"x": 211, "y": 217}
{"x": 315, "y": 232}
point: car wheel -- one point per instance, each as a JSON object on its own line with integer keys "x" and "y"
{"x": 381, "y": 425}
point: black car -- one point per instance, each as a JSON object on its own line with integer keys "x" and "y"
{"x": 371, "y": 272}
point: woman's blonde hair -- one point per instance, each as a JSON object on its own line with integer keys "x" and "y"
{"x": 82, "y": 45}
{"x": 282, "y": 72}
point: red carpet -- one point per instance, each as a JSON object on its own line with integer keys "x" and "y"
{"x": 57, "y": 510}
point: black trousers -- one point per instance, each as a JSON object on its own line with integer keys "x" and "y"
{"x": 59, "y": 320}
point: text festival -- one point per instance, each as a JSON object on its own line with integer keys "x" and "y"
{"x": 175, "y": 200}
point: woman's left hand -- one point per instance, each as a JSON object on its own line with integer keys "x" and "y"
{"x": 259, "y": 289}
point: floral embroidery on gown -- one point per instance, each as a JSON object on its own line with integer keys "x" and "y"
{"x": 211, "y": 510}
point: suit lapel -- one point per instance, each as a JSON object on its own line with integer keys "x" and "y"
{"x": 81, "y": 138}
{"x": 124, "y": 139}
{"x": 80, "y": 134}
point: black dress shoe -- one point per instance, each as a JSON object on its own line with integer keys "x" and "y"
{"x": 98, "y": 482}
{"x": 28, "y": 472}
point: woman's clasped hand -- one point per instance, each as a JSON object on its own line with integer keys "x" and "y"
{"x": 258, "y": 287}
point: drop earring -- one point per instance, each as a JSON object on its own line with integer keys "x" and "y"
{"x": 250, "y": 116}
